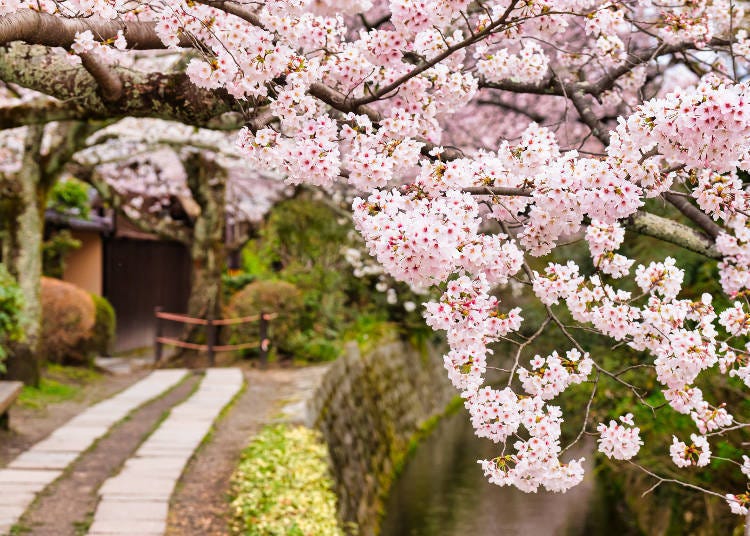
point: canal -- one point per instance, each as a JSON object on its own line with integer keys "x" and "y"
{"x": 442, "y": 492}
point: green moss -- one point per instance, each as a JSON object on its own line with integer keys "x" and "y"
{"x": 48, "y": 392}
{"x": 425, "y": 429}
{"x": 58, "y": 384}
{"x": 282, "y": 486}
{"x": 67, "y": 374}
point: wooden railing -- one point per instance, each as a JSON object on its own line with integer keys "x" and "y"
{"x": 212, "y": 326}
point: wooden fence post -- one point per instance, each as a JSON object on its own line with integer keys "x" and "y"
{"x": 157, "y": 336}
{"x": 211, "y": 336}
{"x": 264, "y": 342}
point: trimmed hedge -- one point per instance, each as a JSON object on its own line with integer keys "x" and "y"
{"x": 267, "y": 296}
{"x": 282, "y": 486}
{"x": 76, "y": 325}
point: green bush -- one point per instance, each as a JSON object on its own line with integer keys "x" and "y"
{"x": 103, "y": 333}
{"x": 234, "y": 281}
{"x": 11, "y": 308}
{"x": 304, "y": 242}
{"x": 55, "y": 250}
{"x": 310, "y": 348}
{"x": 70, "y": 196}
{"x": 271, "y": 297}
{"x": 304, "y": 235}
{"x": 282, "y": 486}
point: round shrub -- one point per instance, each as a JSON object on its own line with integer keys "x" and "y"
{"x": 270, "y": 297}
{"x": 68, "y": 320}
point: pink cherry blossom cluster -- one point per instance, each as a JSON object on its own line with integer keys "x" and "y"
{"x": 471, "y": 319}
{"x": 536, "y": 460}
{"x": 550, "y": 376}
{"x": 696, "y": 454}
{"x": 620, "y": 441}
{"x": 401, "y": 85}
{"x": 603, "y": 240}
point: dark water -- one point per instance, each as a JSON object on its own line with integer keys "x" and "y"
{"x": 442, "y": 492}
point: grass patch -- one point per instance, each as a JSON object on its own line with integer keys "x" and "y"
{"x": 282, "y": 486}
{"x": 58, "y": 384}
{"x": 48, "y": 392}
{"x": 71, "y": 374}
{"x": 82, "y": 527}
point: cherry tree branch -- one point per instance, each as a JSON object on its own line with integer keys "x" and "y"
{"x": 38, "y": 111}
{"x": 109, "y": 82}
{"x": 642, "y": 222}
{"x": 536, "y": 117}
{"x": 39, "y": 28}
{"x": 233, "y": 8}
{"x": 586, "y": 415}
{"x": 696, "y": 215}
{"x": 587, "y": 115}
{"x": 673, "y": 232}
{"x": 449, "y": 51}
{"x": 162, "y": 95}
{"x": 662, "y": 480}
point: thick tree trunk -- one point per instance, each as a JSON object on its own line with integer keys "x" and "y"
{"x": 22, "y": 254}
{"x": 208, "y": 187}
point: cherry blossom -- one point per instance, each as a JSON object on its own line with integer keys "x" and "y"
{"x": 697, "y": 453}
{"x": 474, "y": 140}
{"x": 619, "y": 441}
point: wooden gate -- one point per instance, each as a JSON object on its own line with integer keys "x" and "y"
{"x": 140, "y": 275}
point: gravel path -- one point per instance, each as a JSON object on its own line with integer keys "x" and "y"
{"x": 86, "y": 496}
{"x": 66, "y": 507}
{"x": 30, "y": 425}
{"x": 199, "y": 504}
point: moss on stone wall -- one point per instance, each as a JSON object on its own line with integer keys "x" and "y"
{"x": 371, "y": 408}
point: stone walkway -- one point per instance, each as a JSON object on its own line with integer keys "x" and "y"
{"x": 28, "y": 474}
{"x": 136, "y": 501}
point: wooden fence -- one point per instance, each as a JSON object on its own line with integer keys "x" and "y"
{"x": 212, "y": 327}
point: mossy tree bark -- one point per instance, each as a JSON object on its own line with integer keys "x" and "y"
{"x": 23, "y": 231}
{"x": 207, "y": 184}
{"x": 22, "y": 254}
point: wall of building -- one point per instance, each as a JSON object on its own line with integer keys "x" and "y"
{"x": 83, "y": 267}
{"x": 370, "y": 408}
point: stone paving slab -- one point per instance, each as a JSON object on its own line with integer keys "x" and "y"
{"x": 10, "y": 514}
{"x": 31, "y": 477}
{"x": 138, "y": 510}
{"x": 32, "y": 471}
{"x": 133, "y": 526}
{"x": 16, "y": 496}
{"x": 40, "y": 459}
{"x": 147, "y": 479}
{"x": 135, "y": 485}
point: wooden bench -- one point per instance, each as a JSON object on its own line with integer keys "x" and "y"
{"x": 9, "y": 391}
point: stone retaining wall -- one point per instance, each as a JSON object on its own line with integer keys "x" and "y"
{"x": 369, "y": 408}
